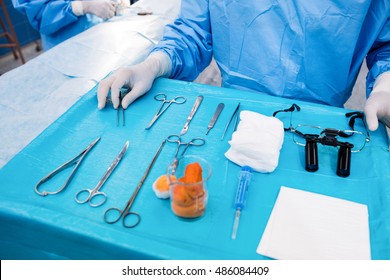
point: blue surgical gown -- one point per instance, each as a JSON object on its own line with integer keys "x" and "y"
{"x": 307, "y": 50}
{"x": 54, "y": 19}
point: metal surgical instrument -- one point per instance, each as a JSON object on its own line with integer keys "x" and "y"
{"x": 74, "y": 161}
{"x": 126, "y": 213}
{"x": 177, "y": 139}
{"x": 122, "y": 93}
{"x": 191, "y": 115}
{"x": 235, "y": 113}
{"x": 215, "y": 117}
{"x": 88, "y": 195}
{"x": 163, "y": 98}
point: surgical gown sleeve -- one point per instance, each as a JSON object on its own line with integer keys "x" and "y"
{"x": 378, "y": 59}
{"x": 47, "y": 16}
{"x": 188, "y": 40}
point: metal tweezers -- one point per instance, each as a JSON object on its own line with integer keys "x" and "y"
{"x": 235, "y": 115}
{"x": 122, "y": 93}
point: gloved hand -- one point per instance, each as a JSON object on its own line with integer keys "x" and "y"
{"x": 378, "y": 103}
{"x": 138, "y": 77}
{"x": 103, "y": 9}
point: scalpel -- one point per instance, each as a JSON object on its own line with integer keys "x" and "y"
{"x": 191, "y": 115}
{"x": 215, "y": 117}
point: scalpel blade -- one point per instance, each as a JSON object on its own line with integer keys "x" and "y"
{"x": 191, "y": 115}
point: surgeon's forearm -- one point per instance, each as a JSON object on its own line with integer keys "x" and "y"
{"x": 378, "y": 58}
{"x": 188, "y": 41}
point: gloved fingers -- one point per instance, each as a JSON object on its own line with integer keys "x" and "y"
{"x": 112, "y": 9}
{"x": 135, "y": 92}
{"x": 103, "y": 90}
{"x": 116, "y": 86}
{"x": 108, "y": 15}
{"x": 107, "y": 10}
{"x": 102, "y": 9}
{"x": 371, "y": 112}
{"x": 384, "y": 117}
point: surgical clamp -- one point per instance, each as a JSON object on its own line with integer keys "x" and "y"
{"x": 162, "y": 97}
{"x": 76, "y": 160}
{"x": 177, "y": 139}
{"x": 88, "y": 195}
{"x": 126, "y": 213}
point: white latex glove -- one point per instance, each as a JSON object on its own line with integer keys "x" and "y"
{"x": 138, "y": 77}
{"x": 377, "y": 106}
{"x": 104, "y": 9}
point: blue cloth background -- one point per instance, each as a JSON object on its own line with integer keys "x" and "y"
{"x": 56, "y": 227}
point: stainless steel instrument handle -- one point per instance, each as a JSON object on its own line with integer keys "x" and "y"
{"x": 192, "y": 113}
{"x": 215, "y": 117}
{"x": 111, "y": 168}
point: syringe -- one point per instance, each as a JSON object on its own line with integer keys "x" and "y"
{"x": 239, "y": 203}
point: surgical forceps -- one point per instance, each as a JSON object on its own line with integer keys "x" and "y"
{"x": 126, "y": 213}
{"x": 76, "y": 160}
{"x": 122, "y": 93}
{"x": 162, "y": 97}
{"x": 174, "y": 138}
{"x": 235, "y": 115}
{"x": 88, "y": 195}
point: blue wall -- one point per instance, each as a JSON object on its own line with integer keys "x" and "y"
{"x": 24, "y": 32}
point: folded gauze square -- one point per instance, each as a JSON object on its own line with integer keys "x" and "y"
{"x": 256, "y": 142}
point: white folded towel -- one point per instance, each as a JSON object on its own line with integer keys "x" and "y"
{"x": 256, "y": 142}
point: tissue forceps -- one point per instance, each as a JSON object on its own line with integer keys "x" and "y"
{"x": 76, "y": 160}
{"x": 122, "y": 93}
{"x": 95, "y": 194}
{"x": 235, "y": 115}
{"x": 174, "y": 138}
{"x": 162, "y": 97}
{"x": 126, "y": 213}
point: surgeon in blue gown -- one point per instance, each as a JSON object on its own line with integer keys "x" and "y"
{"x": 306, "y": 50}
{"x": 58, "y": 20}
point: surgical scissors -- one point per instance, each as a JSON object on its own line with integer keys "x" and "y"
{"x": 126, "y": 213}
{"x": 174, "y": 138}
{"x": 76, "y": 160}
{"x": 162, "y": 97}
{"x": 95, "y": 194}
